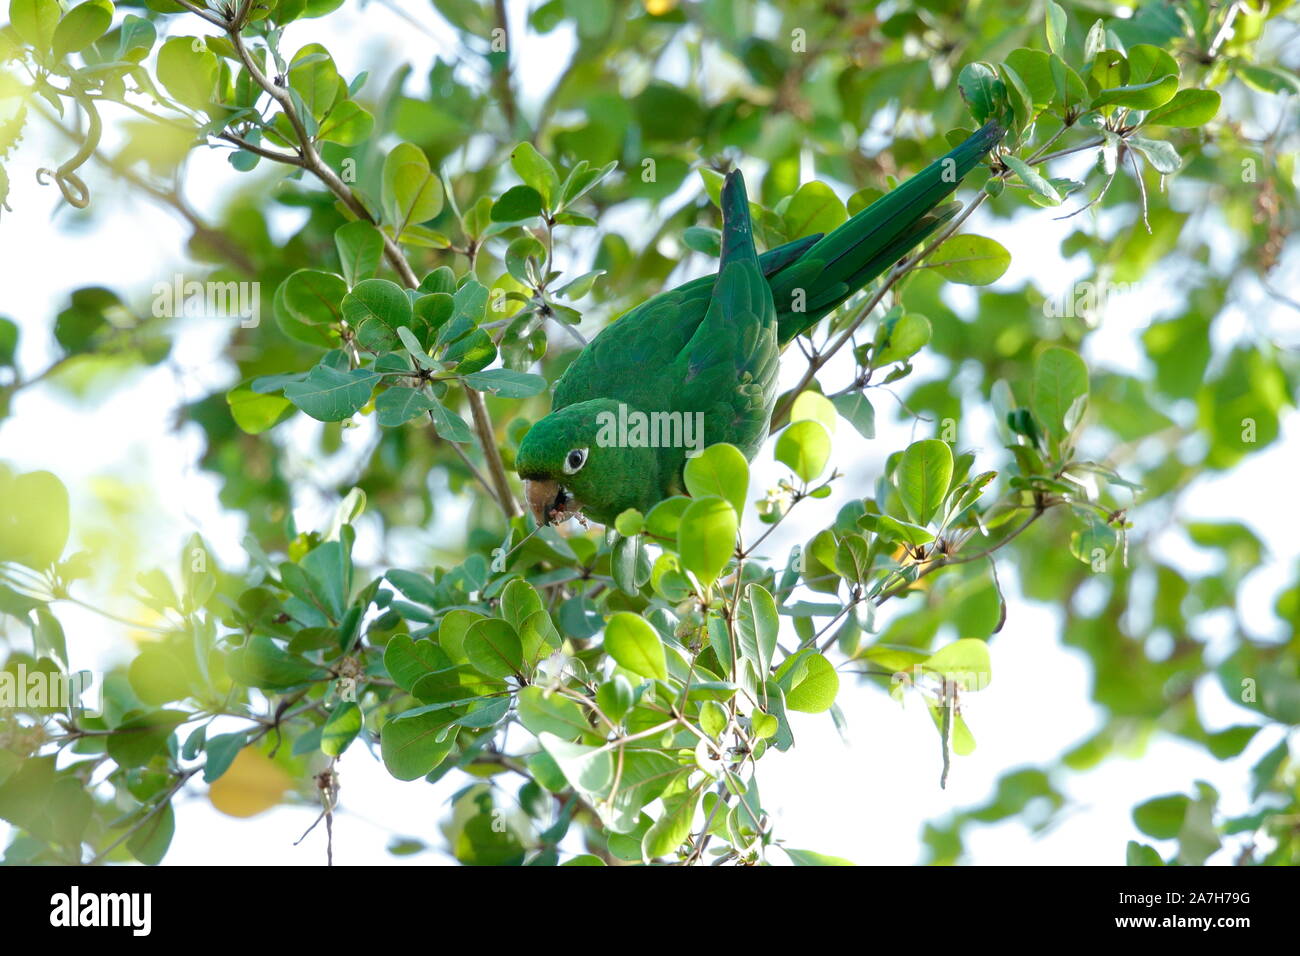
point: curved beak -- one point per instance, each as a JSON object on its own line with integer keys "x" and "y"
{"x": 549, "y": 501}
{"x": 543, "y": 497}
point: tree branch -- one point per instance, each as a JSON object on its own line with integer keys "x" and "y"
{"x": 501, "y": 76}
{"x": 487, "y": 438}
{"x": 312, "y": 161}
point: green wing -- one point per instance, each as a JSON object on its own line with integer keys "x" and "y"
{"x": 636, "y": 358}
{"x": 728, "y": 369}
{"x": 844, "y": 261}
{"x": 629, "y": 359}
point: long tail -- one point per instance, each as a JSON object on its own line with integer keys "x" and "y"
{"x": 740, "y": 287}
{"x": 844, "y": 261}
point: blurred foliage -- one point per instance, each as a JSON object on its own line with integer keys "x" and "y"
{"x": 456, "y": 229}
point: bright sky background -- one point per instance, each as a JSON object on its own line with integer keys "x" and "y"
{"x": 866, "y": 799}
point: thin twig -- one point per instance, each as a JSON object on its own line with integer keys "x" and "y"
{"x": 312, "y": 161}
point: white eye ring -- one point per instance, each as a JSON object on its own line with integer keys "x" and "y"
{"x": 574, "y": 460}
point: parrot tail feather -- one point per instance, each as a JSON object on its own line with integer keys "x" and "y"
{"x": 845, "y": 260}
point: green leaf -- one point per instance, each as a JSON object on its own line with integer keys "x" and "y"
{"x": 857, "y": 409}
{"x": 813, "y": 208}
{"x": 81, "y": 26}
{"x": 376, "y": 309}
{"x": 1188, "y": 109}
{"x": 412, "y": 746}
{"x": 806, "y": 447}
{"x": 629, "y": 523}
{"x": 494, "y": 648}
{"x": 189, "y": 75}
{"x": 35, "y": 21}
{"x": 1094, "y": 543}
{"x": 1035, "y": 69}
{"x": 1071, "y": 91}
{"x": 349, "y": 125}
{"x": 1162, "y": 156}
{"x": 472, "y": 352}
{"x": 506, "y": 382}
{"x": 449, "y": 425}
{"x": 8, "y": 341}
{"x": 221, "y": 752}
{"x": 150, "y": 842}
{"x": 34, "y": 518}
{"x": 255, "y": 412}
{"x": 810, "y": 858}
{"x": 519, "y": 601}
{"x": 1141, "y": 854}
{"x": 964, "y": 662}
{"x": 198, "y": 579}
{"x": 581, "y": 180}
{"x": 970, "y": 260}
{"x": 672, "y": 828}
{"x": 589, "y": 770}
{"x": 703, "y": 239}
{"x": 157, "y": 676}
{"x": 307, "y": 306}
{"x": 1057, "y": 24}
{"x": 1162, "y": 817}
{"x": 706, "y": 536}
{"x": 313, "y": 77}
{"x": 411, "y": 192}
{"x": 541, "y": 713}
{"x": 852, "y": 558}
{"x": 329, "y": 394}
{"x": 1030, "y": 177}
{"x": 1139, "y": 96}
{"x": 536, "y": 170}
{"x": 615, "y": 697}
{"x": 340, "y": 729}
{"x": 398, "y": 405}
{"x": 360, "y": 246}
{"x": 922, "y": 477}
{"x": 984, "y": 92}
{"x": 664, "y": 519}
{"x": 904, "y": 337}
{"x": 635, "y": 645}
{"x": 1060, "y": 380}
{"x": 1019, "y": 98}
{"x": 262, "y": 663}
{"x": 757, "y": 626}
{"x": 407, "y": 660}
{"x": 1267, "y": 79}
{"x": 720, "y": 470}
{"x": 814, "y": 406}
{"x": 1109, "y": 70}
{"x": 809, "y": 682}
{"x": 135, "y": 742}
{"x": 517, "y": 204}
{"x": 894, "y": 530}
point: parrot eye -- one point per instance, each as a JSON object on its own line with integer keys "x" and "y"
{"x": 575, "y": 460}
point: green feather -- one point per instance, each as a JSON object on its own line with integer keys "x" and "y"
{"x": 844, "y": 261}
{"x": 710, "y": 347}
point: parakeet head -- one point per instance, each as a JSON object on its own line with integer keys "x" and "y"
{"x": 569, "y": 465}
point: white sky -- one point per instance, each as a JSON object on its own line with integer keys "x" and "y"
{"x": 866, "y": 800}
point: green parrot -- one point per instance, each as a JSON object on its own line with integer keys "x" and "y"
{"x": 697, "y": 365}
